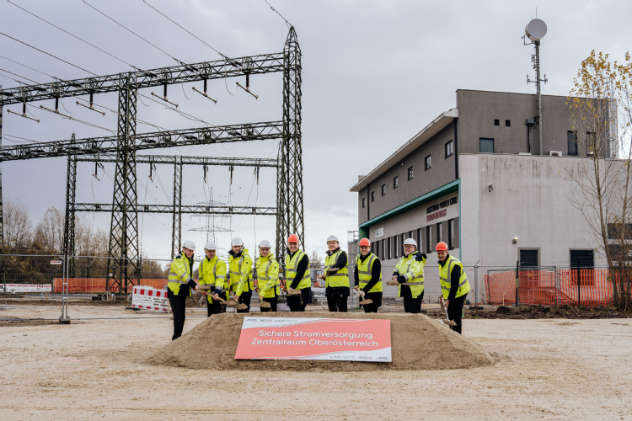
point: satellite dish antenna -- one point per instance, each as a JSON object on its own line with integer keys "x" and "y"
{"x": 535, "y": 30}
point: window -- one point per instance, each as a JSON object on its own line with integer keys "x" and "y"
{"x": 453, "y": 233}
{"x": 571, "y": 138}
{"x": 383, "y": 189}
{"x": 387, "y": 248}
{"x": 429, "y": 238}
{"x": 363, "y": 202}
{"x": 395, "y": 182}
{"x": 444, "y": 204}
{"x": 418, "y": 238}
{"x": 454, "y": 200}
{"x": 428, "y": 162}
{"x": 486, "y": 145}
{"x": 507, "y": 123}
{"x": 373, "y": 196}
{"x": 438, "y": 236}
{"x": 411, "y": 173}
{"x": 496, "y": 122}
{"x": 449, "y": 149}
{"x": 591, "y": 142}
{"x": 432, "y": 208}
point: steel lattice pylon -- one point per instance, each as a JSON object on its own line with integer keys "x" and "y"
{"x": 124, "y": 259}
{"x": 290, "y": 178}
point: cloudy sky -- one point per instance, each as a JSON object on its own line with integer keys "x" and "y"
{"x": 374, "y": 73}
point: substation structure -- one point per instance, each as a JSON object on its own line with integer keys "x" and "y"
{"x": 176, "y": 208}
{"x": 123, "y": 250}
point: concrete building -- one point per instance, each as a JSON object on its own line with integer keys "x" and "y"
{"x": 474, "y": 177}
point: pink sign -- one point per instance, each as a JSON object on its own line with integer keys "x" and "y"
{"x": 276, "y": 338}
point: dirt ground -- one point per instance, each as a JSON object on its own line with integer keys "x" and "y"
{"x": 557, "y": 369}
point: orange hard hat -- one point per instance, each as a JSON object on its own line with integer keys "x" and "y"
{"x": 293, "y": 238}
{"x": 442, "y": 246}
{"x": 364, "y": 242}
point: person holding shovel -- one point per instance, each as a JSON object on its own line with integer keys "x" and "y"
{"x": 454, "y": 285}
{"x": 409, "y": 275}
{"x": 267, "y": 277}
{"x": 211, "y": 278}
{"x": 179, "y": 285}
{"x": 368, "y": 277}
{"x": 240, "y": 276}
{"x": 298, "y": 283}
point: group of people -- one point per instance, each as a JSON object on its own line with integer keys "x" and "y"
{"x": 232, "y": 285}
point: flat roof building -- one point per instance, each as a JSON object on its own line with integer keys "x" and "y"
{"x": 474, "y": 178}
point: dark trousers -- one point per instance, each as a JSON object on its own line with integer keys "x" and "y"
{"x": 178, "y": 307}
{"x": 376, "y": 297}
{"x": 214, "y": 307}
{"x": 273, "y": 304}
{"x": 455, "y": 312}
{"x": 411, "y": 305}
{"x": 337, "y": 298}
{"x": 298, "y": 302}
{"x": 245, "y": 298}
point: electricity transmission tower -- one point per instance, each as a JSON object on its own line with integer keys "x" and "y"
{"x": 123, "y": 250}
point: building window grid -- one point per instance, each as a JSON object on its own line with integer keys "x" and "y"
{"x": 373, "y": 196}
{"x": 411, "y": 173}
{"x": 363, "y": 202}
{"x": 383, "y": 189}
{"x": 427, "y": 162}
{"x": 571, "y": 140}
{"x": 395, "y": 182}
{"x": 486, "y": 144}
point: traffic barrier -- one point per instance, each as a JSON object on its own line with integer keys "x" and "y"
{"x": 586, "y": 287}
{"x": 152, "y": 299}
{"x": 13, "y": 288}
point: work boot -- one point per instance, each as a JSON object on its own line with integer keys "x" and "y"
{"x": 265, "y": 304}
{"x": 366, "y": 302}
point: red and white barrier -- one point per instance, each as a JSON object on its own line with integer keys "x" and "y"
{"x": 13, "y": 288}
{"x": 151, "y": 299}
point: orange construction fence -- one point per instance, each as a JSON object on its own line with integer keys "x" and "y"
{"x": 587, "y": 287}
{"x": 97, "y": 285}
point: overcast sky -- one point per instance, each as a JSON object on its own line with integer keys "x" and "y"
{"x": 374, "y": 73}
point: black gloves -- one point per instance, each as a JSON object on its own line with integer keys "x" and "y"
{"x": 191, "y": 284}
{"x": 401, "y": 279}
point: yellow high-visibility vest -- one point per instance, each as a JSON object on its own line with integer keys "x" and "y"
{"x": 267, "y": 271}
{"x": 445, "y": 277}
{"x": 212, "y": 272}
{"x": 291, "y": 263}
{"x": 240, "y": 272}
{"x": 413, "y": 270}
{"x": 341, "y": 277}
{"x": 365, "y": 271}
{"x": 179, "y": 273}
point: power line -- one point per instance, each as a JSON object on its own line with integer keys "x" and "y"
{"x": 115, "y": 112}
{"x": 29, "y": 67}
{"x": 183, "y": 113}
{"x": 15, "y": 80}
{"x": 78, "y": 38}
{"x": 69, "y": 117}
{"x": 47, "y": 53}
{"x": 155, "y": 9}
{"x": 289, "y": 25}
{"x": 132, "y": 32}
{"x": 15, "y": 74}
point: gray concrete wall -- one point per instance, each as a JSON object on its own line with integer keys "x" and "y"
{"x": 478, "y": 109}
{"x": 442, "y": 172}
{"x": 536, "y": 199}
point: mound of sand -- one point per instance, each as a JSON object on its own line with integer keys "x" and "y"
{"x": 418, "y": 343}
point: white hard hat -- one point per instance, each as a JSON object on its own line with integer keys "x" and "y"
{"x": 189, "y": 245}
{"x": 410, "y": 241}
{"x": 236, "y": 242}
{"x": 210, "y": 246}
{"x": 332, "y": 238}
{"x": 265, "y": 244}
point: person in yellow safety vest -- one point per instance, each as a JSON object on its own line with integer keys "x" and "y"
{"x": 409, "y": 274}
{"x": 336, "y": 276}
{"x": 179, "y": 284}
{"x": 240, "y": 274}
{"x": 267, "y": 277}
{"x": 212, "y": 272}
{"x": 454, "y": 285}
{"x": 298, "y": 283}
{"x": 368, "y": 277}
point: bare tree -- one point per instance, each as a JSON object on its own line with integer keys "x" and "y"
{"x": 600, "y": 108}
{"x": 17, "y": 227}
{"x": 49, "y": 233}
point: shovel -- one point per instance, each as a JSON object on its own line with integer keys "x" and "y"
{"x": 447, "y": 320}
{"x": 265, "y": 304}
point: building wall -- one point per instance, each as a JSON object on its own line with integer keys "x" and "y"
{"x": 536, "y": 199}
{"x": 478, "y": 109}
{"x": 412, "y": 220}
{"x": 442, "y": 172}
